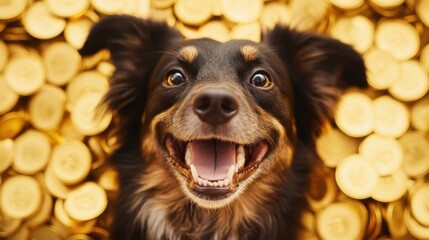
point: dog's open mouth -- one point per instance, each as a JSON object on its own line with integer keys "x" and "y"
{"x": 213, "y": 167}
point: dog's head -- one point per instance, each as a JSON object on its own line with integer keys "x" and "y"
{"x": 221, "y": 116}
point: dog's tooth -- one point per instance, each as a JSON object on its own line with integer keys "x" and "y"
{"x": 210, "y": 183}
{"x": 226, "y": 182}
{"x": 188, "y": 155}
{"x": 240, "y": 161}
{"x": 216, "y": 184}
{"x": 200, "y": 181}
{"x": 240, "y": 150}
{"x": 220, "y": 183}
{"x": 205, "y": 182}
{"x": 194, "y": 172}
{"x": 231, "y": 172}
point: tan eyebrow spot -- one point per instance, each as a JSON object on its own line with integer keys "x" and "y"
{"x": 250, "y": 53}
{"x": 188, "y": 54}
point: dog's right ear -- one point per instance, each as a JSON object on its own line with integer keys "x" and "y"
{"x": 135, "y": 47}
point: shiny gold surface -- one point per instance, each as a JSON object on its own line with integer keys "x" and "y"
{"x": 53, "y": 145}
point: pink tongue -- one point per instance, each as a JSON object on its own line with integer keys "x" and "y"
{"x": 212, "y": 158}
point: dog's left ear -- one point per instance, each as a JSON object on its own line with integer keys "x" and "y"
{"x": 319, "y": 67}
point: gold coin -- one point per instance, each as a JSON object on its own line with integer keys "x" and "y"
{"x": 392, "y": 118}
{"x": 395, "y": 219}
{"x": 62, "y": 63}
{"x": 79, "y": 237}
{"x": 162, "y": 3}
{"x": 8, "y": 98}
{"x": 163, "y": 15}
{"x": 4, "y": 55}
{"x": 242, "y": 11}
{"x": 391, "y": 187}
{"x": 416, "y": 229}
{"x": 106, "y": 68}
{"x": 339, "y": 221}
{"x": 357, "y": 31}
{"x": 44, "y": 233}
{"x": 85, "y": 82}
{"x": 71, "y": 224}
{"x": 354, "y": 115}
{"x": 333, "y": 146}
{"x": 413, "y": 82}
{"x": 424, "y": 57}
{"x": 275, "y": 13}
{"x": 347, "y": 4}
{"x": 420, "y": 114}
{"x": 6, "y": 154}
{"x": 20, "y": 196}
{"x": 322, "y": 190}
{"x": 247, "y": 31}
{"x": 382, "y": 68}
{"x": 216, "y": 30}
{"x": 8, "y": 225}
{"x": 11, "y": 124}
{"x": 387, "y": 3}
{"x": 10, "y": 10}
{"x": 40, "y": 23}
{"x": 86, "y": 202}
{"x": 32, "y": 150}
{"x": 419, "y": 203}
{"x": 109, "y": 179}
{"x": 68, "y": 131}
{"x": 398, "y": 38}
{"x": 67, "y": 8}
{"x": 307, "y": 14}
{"x": 44, "y": 212}
{"x": 383, "y": 153}
{"x": 193, "y": 12}
{"x": 416, "y": 154}
{"x": 70, "y": 161}
{"x": 46, "y": 108}
{"x": 22, "y": 233}
{"x": 54, "y": 186}
{"x": 77, "y": 30}
{"x": 17, "y": 49}
{"x": 356, "y": 177}
{"x": 108, "y": 7}
{"x": 375, "y": 221}
{"x": 186, "y": 31}
{"x": 85, "y": 118}
{"x": 422, "y": 10}
{"x": 25, "y": 74}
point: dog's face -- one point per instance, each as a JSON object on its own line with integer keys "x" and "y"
{"x": 220, "y": 116}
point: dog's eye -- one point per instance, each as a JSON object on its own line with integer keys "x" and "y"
{"x": 261, "y": 80}
{"x": 174, "y": 79}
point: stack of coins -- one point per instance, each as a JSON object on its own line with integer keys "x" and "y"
{"x": 56, "y": 184}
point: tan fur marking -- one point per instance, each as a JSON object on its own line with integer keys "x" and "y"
{"x": 188, "y": 54}
{"x": 250, "y": 53}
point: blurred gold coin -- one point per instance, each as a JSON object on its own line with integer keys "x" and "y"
{"x": 242, "y": 11}
{"x": 339, "y": 221}
{"x": 44, "y": 233}
{"x": 62, "y": 63}
{"x": 68, "y": 131}
{"x": 383, "y": 153}
{"x": 71, "y": 161}
{"x": 424, "y": 57}
{"x": 17, "y": 49}
{"x": 106, "y": 68}
{"x": 108, "y": 7}
{"x": 86, "y": 202}
{"x": 8, "y": 225}
{"x": 395, "y": 219}
{"x": 85, "y": 118}
{"x": 25, "y": 74}
{"x": 109, "y": 179}
{"x": 333, "y": 146}
{"x": 54, "y": 186}
{"x": 413, "y": 82}
{"x": 40, "y": 23}
{"x": 216, "y": 30}
{"x": 162, "y": 3}
{"x": 10, "y": 10}
{"x": 354, "y": 115}
{"x": 8, "y": 98}
{"x": 382, "y": 68}
{"x": 193, "y": 12}
{"x": 347, "y": 4}
{"x": 11, "y": 124}
{"x": 4, "y": 55}
{"x": 322, "y": 190}
{"x": 6, "y": 154}
{"x": 422, "y": 10}
{"x": 392, "y": 118}
{"x": 307, "y": 14}
{"x": 356, "y": 177}
{"x": 20, "y": 196}
{"x": 420, "y": 114}
{"x": 419, "y": 202}
{"x": 391, "y": 187}
{"x": 67, "y": 8}
{"x": 187, "y": 31}
{"x": 22, "y": 233}
{"x": 388, "y": 4}
{"x": 275, "y": 13}
{"x": 398, "y": 38}
{"x": 357, "y": 31}
{"x": 416, "y": 154}
{"x": 79, "y": 237}
{"x": 72, "y": 225}
{"x": 247, "y": 31}
{"x": 85, "y": 82}
{"x": 32, "y": 150}
{"x": 44, "y": 213}
{"x": 163, "y": 15}
{"x": 77, "y": 30}
{"x": 46, "y": 108}
{"x": 416, "y": 229}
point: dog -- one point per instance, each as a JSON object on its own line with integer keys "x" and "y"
{"x": 217, "y": 140}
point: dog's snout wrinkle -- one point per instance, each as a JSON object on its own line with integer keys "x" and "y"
{"x": 215, "y": 106}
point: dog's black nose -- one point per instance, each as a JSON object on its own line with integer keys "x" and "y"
{"x": 215, "y": 105}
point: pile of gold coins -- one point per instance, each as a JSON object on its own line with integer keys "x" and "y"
{"x": 56, "y": 183}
